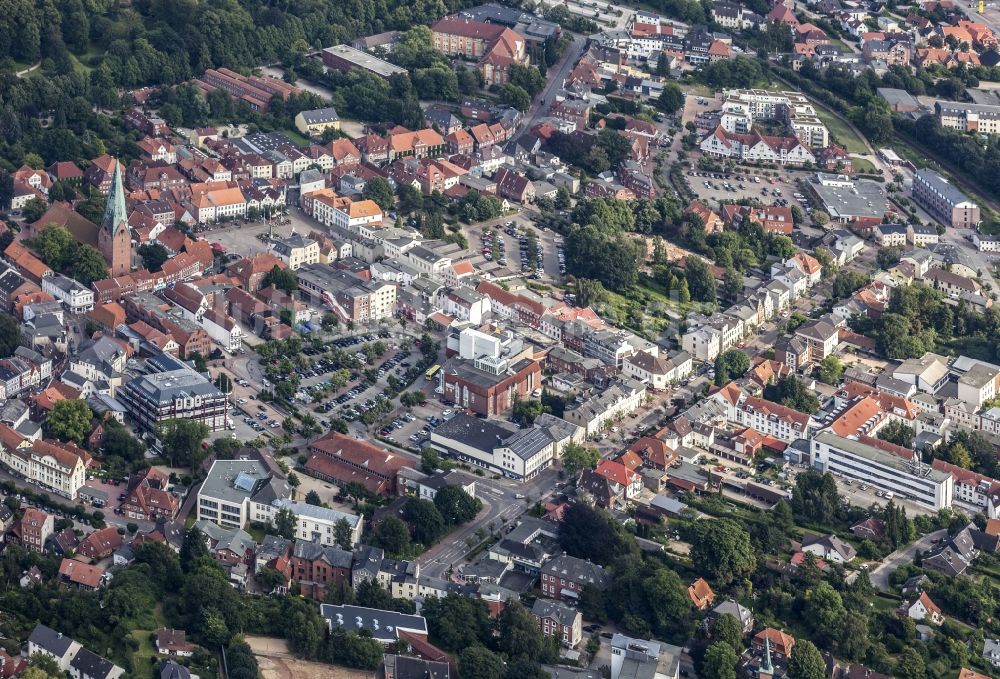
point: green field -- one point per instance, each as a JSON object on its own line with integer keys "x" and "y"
{"x": 841, "y": 132}
{"x": 862, "y": 165}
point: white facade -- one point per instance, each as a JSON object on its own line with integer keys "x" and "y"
{"x": 860, "y": 462}
{"x": 73, "y": 295}
{"x": 230, "y": 339}
{"x": 64, "y": 476}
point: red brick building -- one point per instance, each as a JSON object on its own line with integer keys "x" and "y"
{"x": 487, "y": 393}
{"x": 101, "y": 543}
{"x": 34, "y": 529}
{"x": 342, "y": 460}
{"x": 147, "y": 498}
{"x": 314, "y": 565}
{"x": 114, "y": 239}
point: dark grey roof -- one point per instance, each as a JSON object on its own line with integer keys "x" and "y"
{"x": 52, "y": 641}
{"x": 91, "y": 665}
{"x": 481, "y": 434}
{"x": 577, "y": 570}
{"x": 555, "y": 610}
{"x": 273, "y": 546}
{"x": 171, "y": 670}
{"x": 320, "y": 115}
{"x": 382, "y": 624}
{"x": 405, "y": 667}
{"x": 312, "y": 551}
{"x": 527, "y": 443}
{"x": 367, "y": 562}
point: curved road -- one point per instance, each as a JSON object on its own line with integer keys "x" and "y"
{"x": 880, "y": 576}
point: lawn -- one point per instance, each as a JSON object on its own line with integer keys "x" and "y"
{"x": 863, "y": 166}
{"x": 841, "y": 132}
{"x": 146, "y": 655}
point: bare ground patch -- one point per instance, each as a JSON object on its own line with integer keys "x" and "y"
{"x": 276, "y": 662}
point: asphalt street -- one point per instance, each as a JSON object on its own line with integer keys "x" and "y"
{"x": 880, "y": 576}
{"x": 500, "y": 507}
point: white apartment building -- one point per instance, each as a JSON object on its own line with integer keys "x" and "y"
{"x": 73, "y": 295}
{"x": 769, "y": 418}
{"x": 703, "y": 342}
{"x": 861, "y": 462}
{"x": 297, "y": 251}
{"x": 319, "y": 524}
{"x": 223, "y": 329}
{"x": 658, "y": 372}
{"x": 742, "y": 107}
{"x": 54, "y": 466}
{"x": 978, "y": 384}
{"x": 236, "y": 492}
{"x": 597, "y": 412}
{"x": 971, "y": 488}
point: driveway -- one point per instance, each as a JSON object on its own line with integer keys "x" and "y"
{"x": 880, "y": 576}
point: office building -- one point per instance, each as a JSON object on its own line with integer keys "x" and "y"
{"x": 177, "y": 393}
{"x": 866, "y": 462}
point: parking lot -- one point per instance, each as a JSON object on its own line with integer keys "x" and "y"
{"x": 505, "y": 242}
{"x": 714, "y": 187}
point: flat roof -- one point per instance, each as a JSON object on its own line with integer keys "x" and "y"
{"x": 880, "y": 457}
{"x": 851, "y": 199}
{"x": 364, "y": 60}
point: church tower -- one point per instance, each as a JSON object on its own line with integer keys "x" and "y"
{"x": 114, "y": 239}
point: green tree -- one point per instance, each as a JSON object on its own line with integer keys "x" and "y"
{"x": 806, "y": 662}
{"x": 342, "y": 534}
{"x": 33, "y": 210}
{"x": 45, "y": 663}
{"x": 119, "y": 442}
{"x": 283, "y": 279}
{"x": 830, "y": 370}
{"x": 425, "y": 521}
{"x": 515, "y": 96}
{"x": 729, "y": 365}
{"x": 792, "y": 392}
{"x": 814, "y": 497}
{"x": 285, "y": 523}
{"x": 588, "y": 533}
{"x": 727, "y": 628}
{"x": 668, "y": 601}
{"x": 154, "y": 254}
{"x": 519, "y": 636}
{"x": 456, "y": 622}
{"x": 910, "y": 665}
{"x": 379, "y": 190}
{"x": 525, "y": 412}
{"x": 193, "y": 548}
{"x": 182, "y": 441}
{"x": 723, "y": 550}
{"x": 478, "y": 662}
{"x": 671, "y": 99}
{"x": 54, "y": 245}
{"x": 902, "y": 435}
{"x": 576, "y": 458}
{"x": 70, "y": 420}
{"x": 88, "y": 265}
{"x": 824, "y": 611}
{"x": 312, "y": 498}
{"x": 700, "y": 280}
{"x": 431, "y": 461}
{"x": 456, "y": 506}
{"x": 393, "y": 536}
{"x": 720, "y": 662}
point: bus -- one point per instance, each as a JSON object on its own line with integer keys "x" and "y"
{"x": 431, "y": 372}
